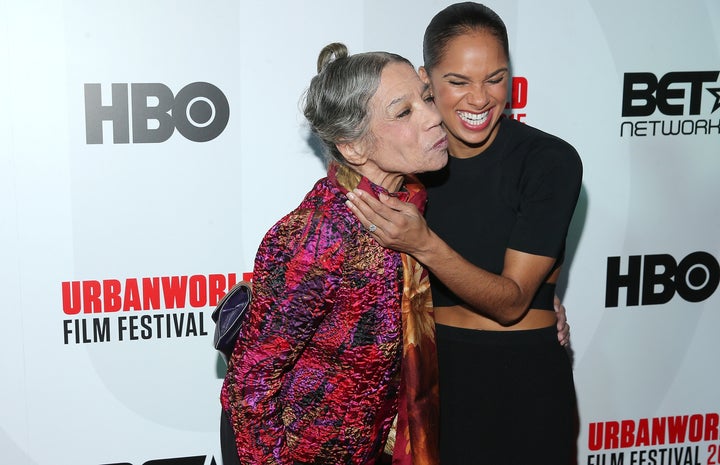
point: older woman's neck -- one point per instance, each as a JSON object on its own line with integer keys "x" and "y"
{"x": 349, "y": 177}
{"x": 390, "y": 181}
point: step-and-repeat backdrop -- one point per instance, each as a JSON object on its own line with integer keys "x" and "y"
{"x": 145, "y": 147}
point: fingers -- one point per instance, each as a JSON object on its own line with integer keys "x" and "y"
{"x": 562, "y": 325}
{"x": 371, "y": 211}
{"x": 564, "y": 335}
{"x": 398, "y": 225}
{"x": 358, "y": 208}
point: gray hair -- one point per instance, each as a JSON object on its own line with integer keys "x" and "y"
{"x": 337, "y": 102}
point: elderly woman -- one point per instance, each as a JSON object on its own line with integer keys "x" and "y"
{"x": 340, "y": 325}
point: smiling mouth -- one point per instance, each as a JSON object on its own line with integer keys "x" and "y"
{"x": 473, "y": 119}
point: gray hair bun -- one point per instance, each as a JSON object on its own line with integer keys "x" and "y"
{"x": 330, "y": 53}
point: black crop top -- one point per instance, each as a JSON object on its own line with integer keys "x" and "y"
{"x": 520, "y": 194}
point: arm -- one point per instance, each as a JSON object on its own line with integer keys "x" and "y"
{"x": 503, "y": 298}
{"x": 293, "y": 283}
{"x": 548, "y": 174}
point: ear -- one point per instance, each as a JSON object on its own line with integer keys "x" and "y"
{"x": 424, "y": 76}
{"x": 354, "y": 153}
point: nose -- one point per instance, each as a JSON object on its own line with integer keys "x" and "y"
{"x": 477, "y": 95}
{"x": 433, "y": 117}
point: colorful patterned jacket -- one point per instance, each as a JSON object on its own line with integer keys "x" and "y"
{"x": 314, "y": 376}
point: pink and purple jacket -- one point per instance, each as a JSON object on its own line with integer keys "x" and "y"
{"x": 315, "y": 373}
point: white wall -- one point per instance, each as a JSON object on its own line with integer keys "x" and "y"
{"x": 115, "y": 213}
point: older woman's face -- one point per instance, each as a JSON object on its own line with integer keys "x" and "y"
{"x": 406, "y": 131}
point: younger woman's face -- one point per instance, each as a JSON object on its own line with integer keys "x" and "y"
{"x": 470, "y": 84}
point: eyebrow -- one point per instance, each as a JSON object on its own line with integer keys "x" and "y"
{"x": 400, "y": 99}
{"x": 462, "y": 76}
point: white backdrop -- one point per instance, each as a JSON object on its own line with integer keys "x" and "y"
{"x": 112, "y": 254}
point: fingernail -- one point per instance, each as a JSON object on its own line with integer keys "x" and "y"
{"x": 350, "y": 196}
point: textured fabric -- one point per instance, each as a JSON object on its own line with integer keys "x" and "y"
{"x": 417, "y": 432}
{"x": 315, "y": 374}
{"x": 507, "y": 398}
{"x": 520, "y": 194}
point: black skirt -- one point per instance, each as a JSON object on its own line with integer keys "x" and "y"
{"x": 506, "y": 398}
{"x": 227, "y": 441}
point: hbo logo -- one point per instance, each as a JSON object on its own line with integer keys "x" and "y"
{"x": 656, "y": 278}
{"x": 200, "y": 112}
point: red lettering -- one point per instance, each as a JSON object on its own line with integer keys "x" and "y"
{"x": 132, "y": 296}
{"x": 646, "y": 432}
{"x": 677, "y": 427}
{"x": 627, "y": 433}
{"x": 611, "y": 434}
{"x": 711, "y": 427}
{"x": 151, "y": 293}
{"x": 643, "y": 433}
{"x": 111, "y": 295}
{"x": 595, "y": 437}
{"x": 217, "y": 288}
{"x": 198, "y": 291}
{"x": 658, "y": 431}
{"x": 696, "y": 428}
{"x": 519, "y": 92}
{"x": 91, "y": 296}
{"x": 71, "y": 297}
{"x": 174, "y": 290}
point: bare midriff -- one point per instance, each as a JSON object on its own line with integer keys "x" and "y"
{"x": 462, "y": 316}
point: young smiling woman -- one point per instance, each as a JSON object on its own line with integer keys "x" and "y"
{"x": 494, "y": 240}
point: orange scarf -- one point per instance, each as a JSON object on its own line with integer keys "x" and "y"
{"x": 416, "y": 436}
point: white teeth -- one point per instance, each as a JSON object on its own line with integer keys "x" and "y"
{"x": 473, "y": 118}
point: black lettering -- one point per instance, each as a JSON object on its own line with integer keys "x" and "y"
{"x": 653, "y": 279}
{"x": 96, "y": 113}
{"x": 614, "y": 281}
{"x": 143, "y": 113}
{"x": 201, "y": 111}
{"x": 146, "y": 323}
{"x": 644, "y": 93}
{"x": 698, "y": 276}
{"x": 694, "y": 78}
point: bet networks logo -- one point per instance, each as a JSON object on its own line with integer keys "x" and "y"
{"x": 674, "y": 103}
{"x": 199, "y": 111}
